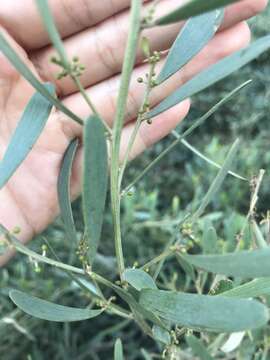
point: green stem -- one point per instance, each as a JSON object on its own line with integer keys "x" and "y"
{"x": 158, "y": 258}
{"x": 137, "y": 124}
{"x": 89, "y": 102}
{"x": 44, "y": 259}
{"x": 129, "y": 62}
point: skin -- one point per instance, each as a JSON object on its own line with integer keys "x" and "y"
{"x": 29, "y": 200}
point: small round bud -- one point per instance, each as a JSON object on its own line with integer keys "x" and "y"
{"x": 16, "y": 230}
{"x": 54, "y": 59}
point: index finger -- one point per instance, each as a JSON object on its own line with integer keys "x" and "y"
{"x": 23, "y": 22}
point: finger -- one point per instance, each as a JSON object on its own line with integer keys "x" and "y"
{"x": 9, "y": 76}
{"x": 23, "y": 21}
{"x": 11, "y": 220}
{"x": 101, "y": 49}
{"x": 105, "y": 45}
{"x": 243, "y": 10}
{"x": 104, "y": 95}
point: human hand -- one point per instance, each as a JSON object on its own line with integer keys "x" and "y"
{"x": 95, "y": 31}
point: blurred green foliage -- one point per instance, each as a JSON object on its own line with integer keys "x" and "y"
{"x": 169, "y": 191}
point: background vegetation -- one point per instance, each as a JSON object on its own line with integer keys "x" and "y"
{"x": 173, "y": 187}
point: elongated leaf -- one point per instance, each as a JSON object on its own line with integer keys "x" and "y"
{"x": 25, "y": 135}
{"x": 192, "y": 8}
{"x": 260, "y": 240}
{"x": 95, "y": 181}
{"x": 161, "y": 335}
{"x": 198, "y": 348}
{"x": 139, "y": 279}
{"x": 88, "y": 285}
{"x": 180, "y": 138}
{"x": 212, "y": 313}
{"x": 17, "y": 62}
{"x": 212, "y": 75}
{"x": 196, "y": 33}
{"x": 254, "y": 288}
{"x": 244, "y": 264}
{"x": 118, "y": 350}
{"x": 206, "y": 159}
{"x": 218, "y": 181}
{"x": 63, "y": 188}
{"x": 186, "y": 266}
{"x": 46, "y": 310}
{"x": 209, "y": 240}
{"x": 47, "y": 18}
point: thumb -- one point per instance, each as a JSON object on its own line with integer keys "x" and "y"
{"x": 6, "y": 68}
{"x": 10, "y": 79}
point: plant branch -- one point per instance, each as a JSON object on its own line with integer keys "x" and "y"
{"x": 138, "y": 122}
{"x": 129, "y": 61}
{"x": 186, "y": 133}
{"x": 13, "y": 242}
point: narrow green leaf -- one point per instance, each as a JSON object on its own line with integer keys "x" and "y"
{"x": 161, "y": 335}
{"x": 192, "y": 8}
{"x": 63, "y": 188}
{"x": 95, "y": 181}
{"x": 186, "y": 266}
{"x": 25, "y": 135}
{"x": 198, "y": 347}
{"x": 209, "y": 240}
{"x": 205, "y": 158}
{"x": 218, "y": 181}
{"x": 18, "y": 63}
{"x": 260, "y": 240}
{"x": 118, "y": 350}
{"x": 213, "y": 74}
{"x": 46, "y": 310}
{"x": 211, "y": 313}
{"x": 139, "y": 279}
{"x": 195, "y": 34}
{"x": 180, "y": 138}
{"x": 254, "y": 288}
{"x": 244, "y": 264}
{"x": 47, "y": 18}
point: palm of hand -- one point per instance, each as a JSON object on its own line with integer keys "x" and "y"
{"x": 30, "y": 196}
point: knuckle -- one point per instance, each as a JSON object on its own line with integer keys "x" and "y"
{"x": 105, "y": 52}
